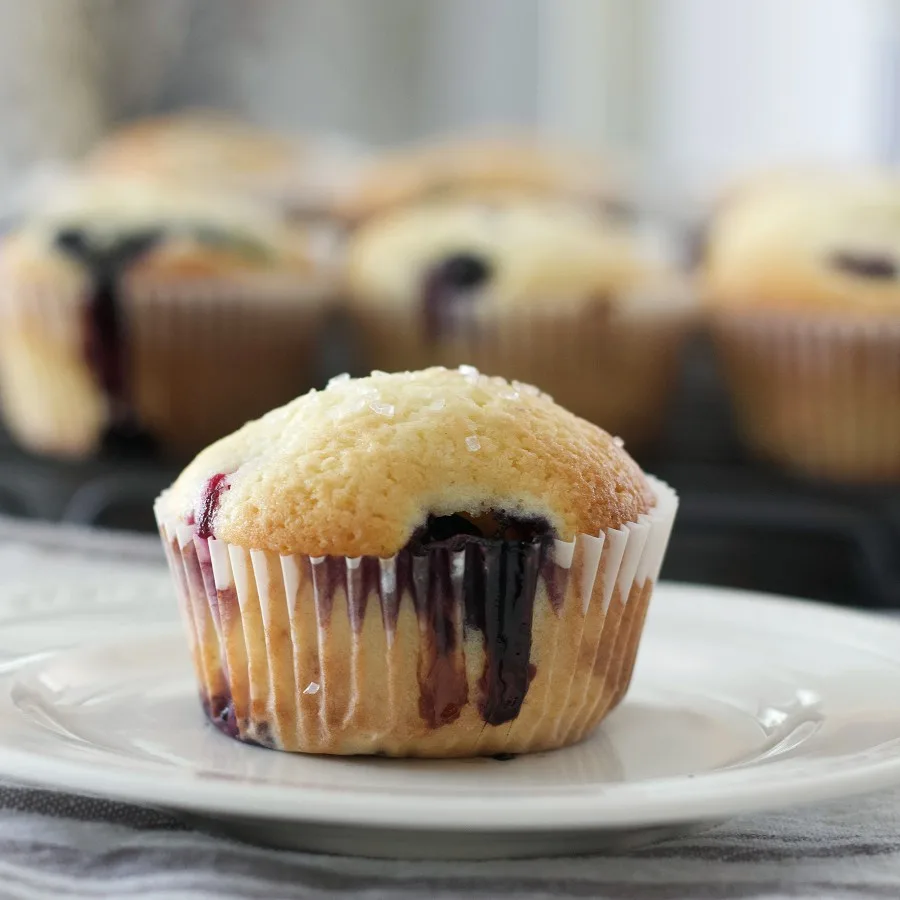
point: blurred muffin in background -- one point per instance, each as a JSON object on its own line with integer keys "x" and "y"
{"x": 483, "y": 167}
{"x": 802, "y": 277}
{"x": 539, "y": 291}
{"x": 748, "y": 189}
{"x": 301, "y": 175}
{"x": 138, "y": 315}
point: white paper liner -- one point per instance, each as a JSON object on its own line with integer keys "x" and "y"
{"x": 613, "y": 363}
{"x": 302, "y": 671}
{"x": 816, "y": 394}
{"x": 193, "y": 353}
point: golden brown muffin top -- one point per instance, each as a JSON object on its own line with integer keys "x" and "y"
{"x": 480, "y": 166}
{"x": 302, "y": 173}
{"x": 355, "y": 469}
{"x": 817, "y": 240}
{"x": 204, "y": 143}
{"x": 189, "y": 233}
{"x": 515, "y": 252}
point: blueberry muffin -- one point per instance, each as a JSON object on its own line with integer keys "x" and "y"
{"x": 430, "y": 563}
{"x": 301, "y": 175}
{"x": 540, "y": 291}
{"x": 483, "y": 167}
{"x": 803, "y": 282}
{"x": 135, "y": 316}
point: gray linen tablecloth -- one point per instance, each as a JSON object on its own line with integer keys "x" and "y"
{"x": 58, "y": 845}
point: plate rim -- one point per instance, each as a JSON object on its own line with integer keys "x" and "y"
{"x": 517, "y": 812}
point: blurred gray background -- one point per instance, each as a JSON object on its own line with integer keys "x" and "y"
{"x": 690, "y": 90}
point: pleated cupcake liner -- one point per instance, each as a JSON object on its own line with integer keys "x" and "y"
{"x": 816, "y": 394}
{"x": 611, "y": 366}
{"x": 394, "y": 656}
{"x": 202, "y": 357}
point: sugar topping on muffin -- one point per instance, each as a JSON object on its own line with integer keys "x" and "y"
{"x": 812, "y": 242}
{"x": 362, "y": 466}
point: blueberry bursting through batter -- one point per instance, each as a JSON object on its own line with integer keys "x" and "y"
{"x": 105, "y": 332}
{"x": 504, "y": 556}
{"x": 449, "y": 287}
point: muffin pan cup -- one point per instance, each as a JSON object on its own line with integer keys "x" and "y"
{"x": 202, "y": 357}
{"x": 814, "y": 394}
{"x": 333, "y": 655}
{"x": 608, "y": 363}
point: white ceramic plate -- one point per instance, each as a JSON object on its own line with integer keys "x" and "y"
{"x": 740, "y": 702}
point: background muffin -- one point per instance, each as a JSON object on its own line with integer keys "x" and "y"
{"x": 135, "y": 313}
{"x": 302, "y": 175}
{"x": 803, "y": 281}
{"x": 540, "y": 291}
{"x": 435, "y": 563}
{"x": 483, "y": 167}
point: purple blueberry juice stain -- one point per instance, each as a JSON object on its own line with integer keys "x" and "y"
{"x": 501, "y": 582}
{"x": 357, "y": 583}
{"x": 209, "y": 504}
{"x": 219, "y": 710}
{"x": 105, "y": 329}
{"x": 556, "y": 580}
{"x": 443, "y": 687}
{"x": 449, "y": 285}
{"x": 504, "y": 556}
{"x": 493, "y": 593}
{"x": 865, "y": 264}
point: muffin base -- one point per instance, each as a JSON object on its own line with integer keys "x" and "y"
{"x": 816, "y": 395}
{"x": 291, "y": 658}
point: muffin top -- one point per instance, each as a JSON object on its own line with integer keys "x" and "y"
{"x": 777, "y": 180}
{"x": 817, "y": 241}
{"x": 481, "y": 167}
{"x": 517, "y": 252}
{"x": 158, "y": 228}
{"x": 300, "y": 173}
{"x": 205, "y": 144}
{"x": 357, "y": 468}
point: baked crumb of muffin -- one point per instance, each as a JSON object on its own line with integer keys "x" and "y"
{"x": 357, "y": 468}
